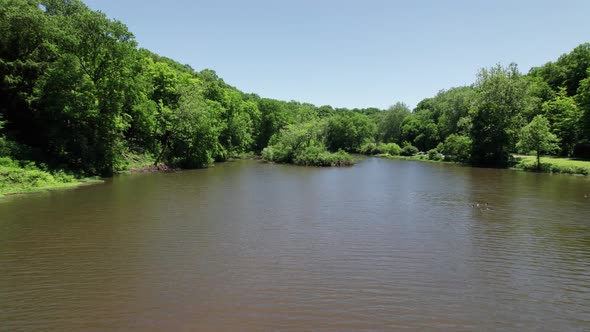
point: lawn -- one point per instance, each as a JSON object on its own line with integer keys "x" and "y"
{"x": 554, "y": 165}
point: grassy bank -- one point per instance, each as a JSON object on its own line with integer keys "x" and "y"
{"x": 526, "y": 163}
{"x": 17, "y": 177}
{"x": 553, "y": 165}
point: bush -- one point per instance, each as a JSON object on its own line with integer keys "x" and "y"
{"x": 391, "y": 149}
{"x": 312, "y": 155}
{"x": 409, "y": 150}
{"x": 372, "y": 149}
{"x": 278, "y": 153}
{"x": 318, "y": 156}
{"x": 433, "y": 154}
{"x": 369, "y": 149}
{"x": 7, "y": 162}
{"x": 22, "y": 176}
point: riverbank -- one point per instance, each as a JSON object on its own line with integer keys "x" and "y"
{"x": 19, "y": 177}
{"x": 553, "y": 165}
{"x": 22, "y": 177}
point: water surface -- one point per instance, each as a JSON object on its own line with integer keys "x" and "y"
{"x": 248, "y": 246}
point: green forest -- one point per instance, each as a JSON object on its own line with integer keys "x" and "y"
{"x": 80, "y": 98}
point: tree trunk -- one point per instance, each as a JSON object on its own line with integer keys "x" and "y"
{"x": 538, "y": 161}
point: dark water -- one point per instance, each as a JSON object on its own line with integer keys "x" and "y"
{"x": 247, "y": 246}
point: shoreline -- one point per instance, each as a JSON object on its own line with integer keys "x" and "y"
{"x": 524, "y": 163}
{"x": 549, "y": 165}
{"x": 55, "y": 187}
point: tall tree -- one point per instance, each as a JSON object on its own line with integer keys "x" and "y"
{"x": 348, "y": 131}
{"x": 273, "y": 118}
{"x": 452, "y": 109}
{"x": 501, "y": 99}
{"x": 84, "y": 95}
{"x": 390, "y": 123}
{"x": 564, "y": 118}
{"x": 537, "y": 136}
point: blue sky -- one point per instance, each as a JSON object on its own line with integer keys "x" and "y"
{"x": 353, "y": 53}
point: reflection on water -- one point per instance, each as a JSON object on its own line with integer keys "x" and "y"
{"x": 383, "y": 245}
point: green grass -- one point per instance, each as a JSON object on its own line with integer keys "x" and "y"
{"x": 554, "y": 165}
{"x": 133, "y": 162}
{"x": 18, "y": 177}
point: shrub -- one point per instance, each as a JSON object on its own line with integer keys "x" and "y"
{"x": 433, "y": 154}
{"x": 408, "y": 150}
{"x": 391, "y": 149}
{"x": 278, "y": 153}
{"x": 369, "y": 149}
{"x": 22, "y": 176}
{"x": 318, "y": 156}
{"x": 311, "y": 156}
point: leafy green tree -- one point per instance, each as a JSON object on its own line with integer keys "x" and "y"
{"x": 236, "y": 136}
{"x": 273, "y": 118}
{"x": 27, "y": 47}
{"x": 85, "y": 92}
{"x": 583, "y": 99}
{"x": 501, "y": 99}
{"x": 348, "y": 131}
{"x": 290, "y": 142}
{"x": 451, "y": 108}
{"x": 576, "y": 64}
{"x": 568, "y": 71}
{"x": 539, "y": 92}
{"x": 537, "y": 136}
{"x": 457, "y": 148}
{"x": 325, "y": 111}
{"x": 194, "y": 140}
{"x": 390, "y": 124}
{"x": 564, "y": 116}
{"x": 420, "y": 130}
{"x": 301, "y": 112}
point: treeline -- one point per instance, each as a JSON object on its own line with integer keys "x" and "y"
{"x": 487, "y": 121}
{"x": 78, "y": 94}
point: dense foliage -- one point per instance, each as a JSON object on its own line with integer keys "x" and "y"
{"x": 536, "y": 136}
{"x": 78, "y": 94}
{"x": 304, "y": 144}
{"x": 480, "y": 123}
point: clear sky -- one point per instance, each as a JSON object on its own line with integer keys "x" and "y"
{"x": 359, "y": 53}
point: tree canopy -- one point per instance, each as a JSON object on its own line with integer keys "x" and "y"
{"x": 537, "y": 136}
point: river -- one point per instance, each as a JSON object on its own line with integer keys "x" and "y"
{"x": 249, "y": 246}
